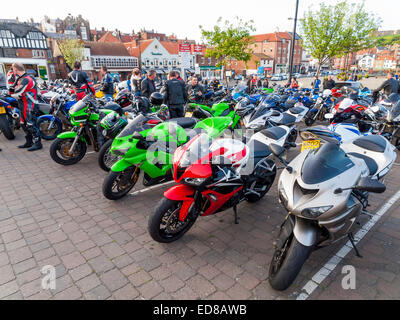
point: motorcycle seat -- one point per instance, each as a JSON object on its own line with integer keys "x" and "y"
{"x": 274, "y": 133}
{"x": 258, "y": 150}
{"x": 296, "y": 110}
{"x": 372, "y": 143}
{"x": 183, "y": 122}
{"x": 287, "y": 120}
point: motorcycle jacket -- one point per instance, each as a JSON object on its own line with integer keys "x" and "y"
{"x": 107, "y": 85}
{"x": 81, "y": 81}
{"x": 174, "y": 92}
{"x": 26, "y": 94}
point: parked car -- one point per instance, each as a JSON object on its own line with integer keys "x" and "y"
{"x": 276, "y": 77}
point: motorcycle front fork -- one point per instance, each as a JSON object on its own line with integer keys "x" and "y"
{"x": 71, "y": 150}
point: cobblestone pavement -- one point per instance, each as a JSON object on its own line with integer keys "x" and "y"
{"x": 55, "y": 215}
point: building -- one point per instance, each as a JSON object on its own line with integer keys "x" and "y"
{"x": 385, "y": 60}
{"x": 207, "y": 66}
{"x": 259, "y": 63}
{"x": 114, "y": 56}
{"x": 366, "y": 62}
{"x": 24, "y": 43}
{"x": 278, "y": 45}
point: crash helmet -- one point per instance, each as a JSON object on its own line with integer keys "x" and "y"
{"x": 114, "y": 107}
{"x": 112, "y": 124}
{"x": 244, "y": 107}
{"x": 143, "y": 105}
{"x": 156, "y": 99}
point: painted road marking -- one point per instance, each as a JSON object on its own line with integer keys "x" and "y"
{"x": 320, "y": 276}
{"x": 150, "y": 188}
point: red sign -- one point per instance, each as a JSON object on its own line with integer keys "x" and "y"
{"x": 197, "y": 49}
{"x": 184, "y": 48}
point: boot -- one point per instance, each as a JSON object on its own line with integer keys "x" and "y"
{"x": 37, "y": 145}
{"x": 28, "y": 142}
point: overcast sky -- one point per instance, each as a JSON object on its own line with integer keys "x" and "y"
{"x": 183, "y": 17}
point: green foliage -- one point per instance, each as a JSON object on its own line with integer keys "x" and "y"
{"x": 335, "y": 30}
{"x": 229, "y": 41}
{"x": 387, "y": 40}
{"x": 72, "y": 50}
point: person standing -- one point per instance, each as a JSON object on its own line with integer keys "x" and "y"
{"x": 196, "y": 90}
{"x": 259, "y": 82}
{"x": 107, "y": 85}
{"x": 81, "y": 81}
{"x": 25, "y": 91}
{"x": 315, "y": 84}
{"x": 389, "y": 86}
{"x": 215, "y": 84}
{"x": 265, "y": 83}
{"x": 136, "y": 80}
{"x": 148, "y": 86}
{"x": 329, "y": 83}
{"x": 175, "y": 95}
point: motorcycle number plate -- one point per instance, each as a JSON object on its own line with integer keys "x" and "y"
{"x": 188, "y": 114}
{"x": 310, "y": 144}
{"x": 2, "y": 110}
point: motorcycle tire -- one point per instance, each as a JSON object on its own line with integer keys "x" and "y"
{"x": 44, "y": 133}
{"x": 62, "y": 156}
{"x": 6, "y": 128}
{"x": 282, "y": 275}
{"x": 157, "y": 218}
{"x": 106, "y": 159}
{"x": 114, "y": 179}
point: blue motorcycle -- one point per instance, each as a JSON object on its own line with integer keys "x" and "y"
{"x": 52, "y": 124}
{"x": 9, "y": 116}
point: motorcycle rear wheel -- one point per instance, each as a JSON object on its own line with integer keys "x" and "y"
{"x": 117, "y": 184}
{"x": 6, "y": 128}
{"x": 47, "y": 134}
{"x": 164, "y": 225}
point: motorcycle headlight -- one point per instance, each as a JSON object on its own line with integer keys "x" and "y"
{"x": 313, "y": 213}
{"x": 194, "y": 181}
{"x": 105, "y": 133}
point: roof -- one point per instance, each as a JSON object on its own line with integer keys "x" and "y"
{"x": 127, "y": 38}
{"x": 171, "y": 47}
{"x": 274, "y": 37}
{"x": 107, "y": 48}
{"x": 263, "y": 56}
{"x": 133, "y": 49}
{"x": 109, "y": 37}
{"x": 19, "y": 29}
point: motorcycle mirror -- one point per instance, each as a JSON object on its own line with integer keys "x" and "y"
{"x": 370, "y": 185}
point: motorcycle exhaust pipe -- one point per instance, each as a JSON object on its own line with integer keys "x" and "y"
{"x": 15, "y": 115}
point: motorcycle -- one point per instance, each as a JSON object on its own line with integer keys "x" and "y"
{"x": 213, "y": 176}
{"x": 324, "y": 190}
{"x": 320, "y": 108}
{"x": 150, "y": 150}
{"x": 9, "y": 117}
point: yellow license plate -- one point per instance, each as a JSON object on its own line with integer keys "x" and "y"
{"x": 310, "y": 144}
{"x": 188, "y": 114}
{"x": 2, "y": 110}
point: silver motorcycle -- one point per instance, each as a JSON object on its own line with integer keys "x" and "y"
{"x": 324, "y": 190}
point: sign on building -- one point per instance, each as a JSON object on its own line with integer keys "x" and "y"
{"x": 197, "y": 49}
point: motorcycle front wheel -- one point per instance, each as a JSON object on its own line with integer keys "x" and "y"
{"x": 117, "y": 184}
{"x": 287, "y": 262}
{"x": 5, "y": 127}
{"x": 106, "y": 159}
{"x": 164, "y": 224}
{"x": 59, "y": 151}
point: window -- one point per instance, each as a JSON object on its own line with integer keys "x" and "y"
{"x": 209, "y": 61}
{"x": 49, "y": 54}
{"x": 52, "y": 69}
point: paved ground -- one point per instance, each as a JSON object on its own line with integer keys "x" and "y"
{"x": 55, "y": 215}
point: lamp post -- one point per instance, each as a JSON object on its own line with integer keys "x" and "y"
{"x": 293, "y": 41}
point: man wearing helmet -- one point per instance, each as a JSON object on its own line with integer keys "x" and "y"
{"x": 81, "y": 81}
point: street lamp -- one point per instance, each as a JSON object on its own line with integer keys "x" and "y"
{"x": 293, "y": 41}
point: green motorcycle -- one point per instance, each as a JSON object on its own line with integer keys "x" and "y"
{"x": 150, "y": 150}
{"x": 70, "y": 147}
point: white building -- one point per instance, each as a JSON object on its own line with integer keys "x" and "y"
{"x": 366, "y": 62}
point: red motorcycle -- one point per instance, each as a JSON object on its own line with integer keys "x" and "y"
{"x": 212, "y": 177}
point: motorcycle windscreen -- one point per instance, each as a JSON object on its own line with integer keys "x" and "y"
{"x": 137, "y": 124}
{"x": 197, "y": 151}
{"x": 325, "y": 163}
{"x": 240, "y": 88}
{"x": 394, "y": 113}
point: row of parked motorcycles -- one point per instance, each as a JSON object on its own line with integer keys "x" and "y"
{"x": 230, "y": 151}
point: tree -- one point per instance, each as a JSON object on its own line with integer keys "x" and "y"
{"x": 230, "y": 41}
{"x": 337, "y": 30}
{"x": 72, "y": 50}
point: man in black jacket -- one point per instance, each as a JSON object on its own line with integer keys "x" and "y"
{"x": 214, "y": 84}
{"x": 195, "y": 90}
{"x": 148, "y": 86}
{"x": 388, "y": 87}
{"x": 329, "y": 83}
{"x": 107, "y": 85}
{"x": 175, "y": 95}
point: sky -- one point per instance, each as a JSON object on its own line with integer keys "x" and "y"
{"x": 184, "y": 17}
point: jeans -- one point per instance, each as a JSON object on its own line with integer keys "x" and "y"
{"x": 176, "y": 111}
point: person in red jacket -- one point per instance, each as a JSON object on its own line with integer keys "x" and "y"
{"x": 81, "y": 81}
{"x": 25, "y": 91}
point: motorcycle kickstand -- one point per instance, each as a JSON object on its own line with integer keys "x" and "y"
{"x": 236, "y": 216}
{"x": 351, "y": 238}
